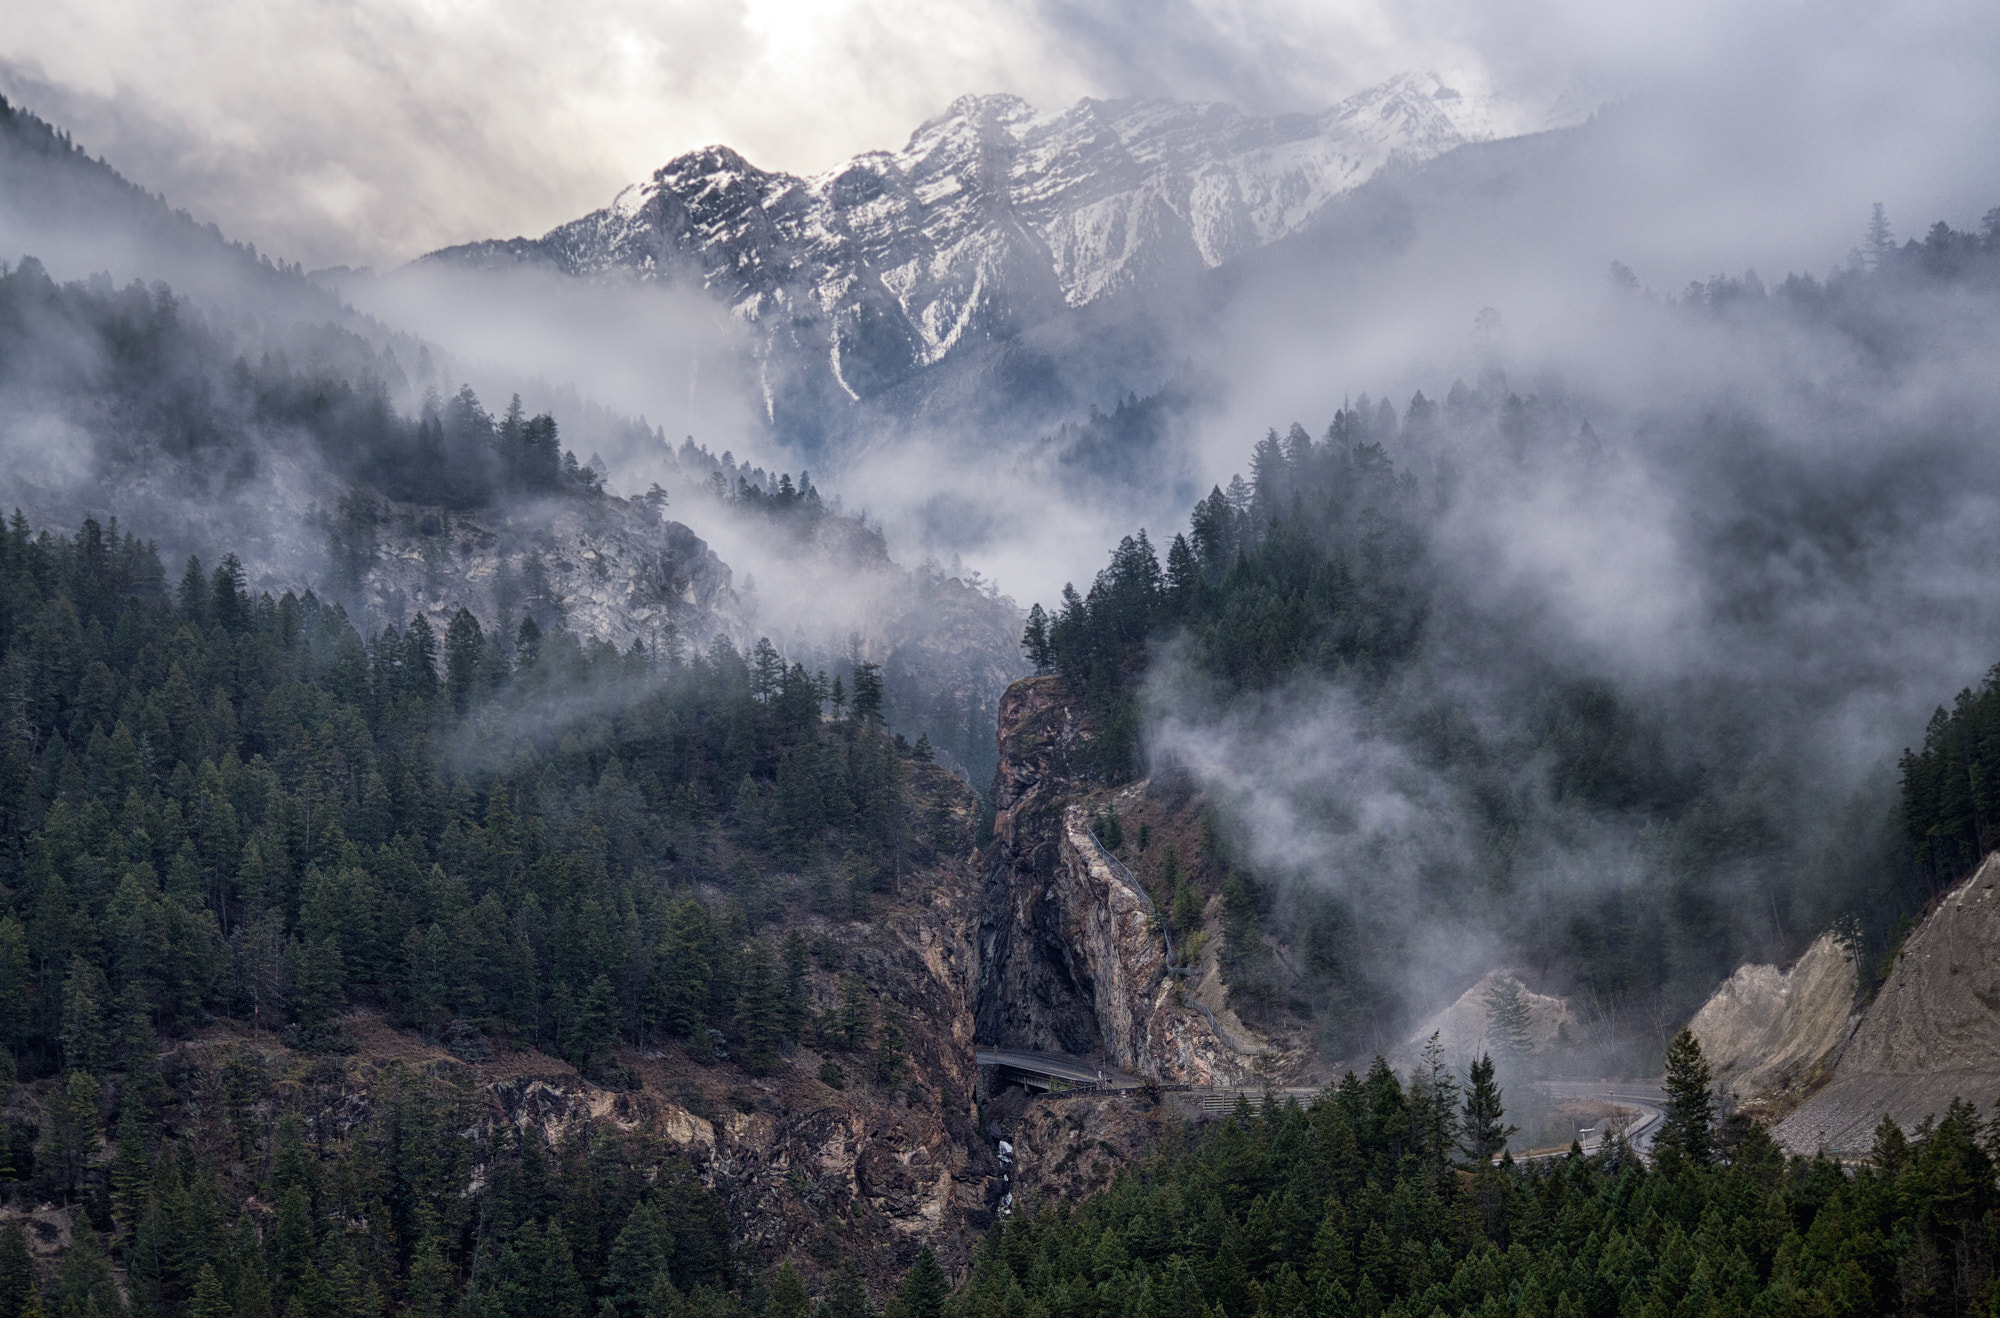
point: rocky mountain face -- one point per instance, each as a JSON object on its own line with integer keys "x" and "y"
{"x": 1073, "y": 955}
{"x": 1770, "y": 1034}
{"x": 609, "y": 569}
{"x": 993, "y": 218}
{"x": 1931, "y": 1034}
{"x": 1465, "y": 1028}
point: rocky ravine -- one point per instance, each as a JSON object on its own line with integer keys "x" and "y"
{"x": 1072, "y": 957}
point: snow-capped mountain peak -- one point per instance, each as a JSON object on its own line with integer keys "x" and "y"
{"x": 994, "y": 216}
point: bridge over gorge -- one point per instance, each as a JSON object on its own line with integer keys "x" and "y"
{"x": 1055, "y": 1073}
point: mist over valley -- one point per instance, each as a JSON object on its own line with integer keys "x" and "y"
{"x": 1224, "y": 683}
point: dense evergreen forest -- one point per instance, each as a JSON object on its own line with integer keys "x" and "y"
{"x": 218, "y": 805}
{"x": 1365, "y": 1202}
{"x": 1324, "y": 566}
{"x": 1951, "y": 788}
{"x": 212, "y": 803}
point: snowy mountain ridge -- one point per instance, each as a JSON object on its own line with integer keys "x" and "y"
{"x": 993, "y": 217}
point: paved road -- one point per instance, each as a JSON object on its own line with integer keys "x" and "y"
{"x": 1643, "y": 1096}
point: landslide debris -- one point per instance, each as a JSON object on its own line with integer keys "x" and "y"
{"x": 1465, "y": 1028}
{"x": 1770, "y": 1035}
{"x": 1932, "y": 1033}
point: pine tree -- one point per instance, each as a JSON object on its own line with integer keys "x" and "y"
{"x": 798, "y": 987}
{"x": 925, "y": 1289}
{"x": 17, "y": 1271}
{"x": 1434, "y": 1105}
{"x": 853, "y": 1020}
{"x": 463, "y": 644}
{"x": 1687, "y": 1134}
{"x": 889, "y": 1056}
{"x": 1035, "y": 640}
{"x": 868, "y": 694}
{"x": 208, "y": 1300}
{"x": 429, "y": 1292}
{"x": 69, "y": 1132}
{"x": 845, "y": 1297}
{"x": 1507, "y": 1019}
{"x": 1878, "y": 242}
{"x": 763, "y": 1013}
{"x": 788, "y": 1295}
{"x": 637, "y": 1260}
{"x": 1484, "y": 1133}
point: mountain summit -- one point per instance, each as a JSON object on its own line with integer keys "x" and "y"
{"x": 992, "y": 218}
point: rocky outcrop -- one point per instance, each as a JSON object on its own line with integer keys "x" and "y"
{"x": 1464, "y": 1027}
{"x": 1067, "y": 1149}
{"x": 1073, "y": 957}
{"x": 611, "y": 569}
{"x": 1932, "y": 1033}
{"x": 1770, "y": 1034}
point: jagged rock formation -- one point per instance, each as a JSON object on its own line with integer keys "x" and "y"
{"x": 1072, "y": 956}
{"x": 1769, "y": 1034}
{"x": 991, "y": 219}
{"x": 1932, "y": 1033}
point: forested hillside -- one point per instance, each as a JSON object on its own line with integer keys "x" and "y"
{"x": 1363, "y": 1202}
{"x": 1635, "y": 837}
{"x": 146, "y": 377}
{"x": 215, "y": 806}
{"x": 219, "y": 803}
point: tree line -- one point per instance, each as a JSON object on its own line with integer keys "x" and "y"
{"x": 210, "y": 803}
{"x": 1365, "y": 1202}
{"x": 159, "y": 377}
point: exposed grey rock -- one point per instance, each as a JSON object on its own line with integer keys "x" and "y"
{"x": 991, "y": 219}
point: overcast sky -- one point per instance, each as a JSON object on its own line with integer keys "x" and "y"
{"x": 369, "y": 131}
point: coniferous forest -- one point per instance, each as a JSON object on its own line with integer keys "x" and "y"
{"x": 1333, "y": 566}
{"x": 366, "y": 956}
{"x": 1371, "y": 1200}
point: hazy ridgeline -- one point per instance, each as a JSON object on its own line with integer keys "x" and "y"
{"x": 1612, "y": 693}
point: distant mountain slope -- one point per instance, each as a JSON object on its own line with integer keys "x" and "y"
{"x": 79, "y": 216}
{"x": 991, "y": 220}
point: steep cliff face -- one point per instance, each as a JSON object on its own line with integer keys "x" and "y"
{"x": 1073, "y": 955}
{"x": 1770, "y": 1034}
{"x": 1034, "y": 987}
{"x": 1932, "y": 1033}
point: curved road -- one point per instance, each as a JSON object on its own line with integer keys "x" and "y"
{"x": 1643, "y": 1096}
